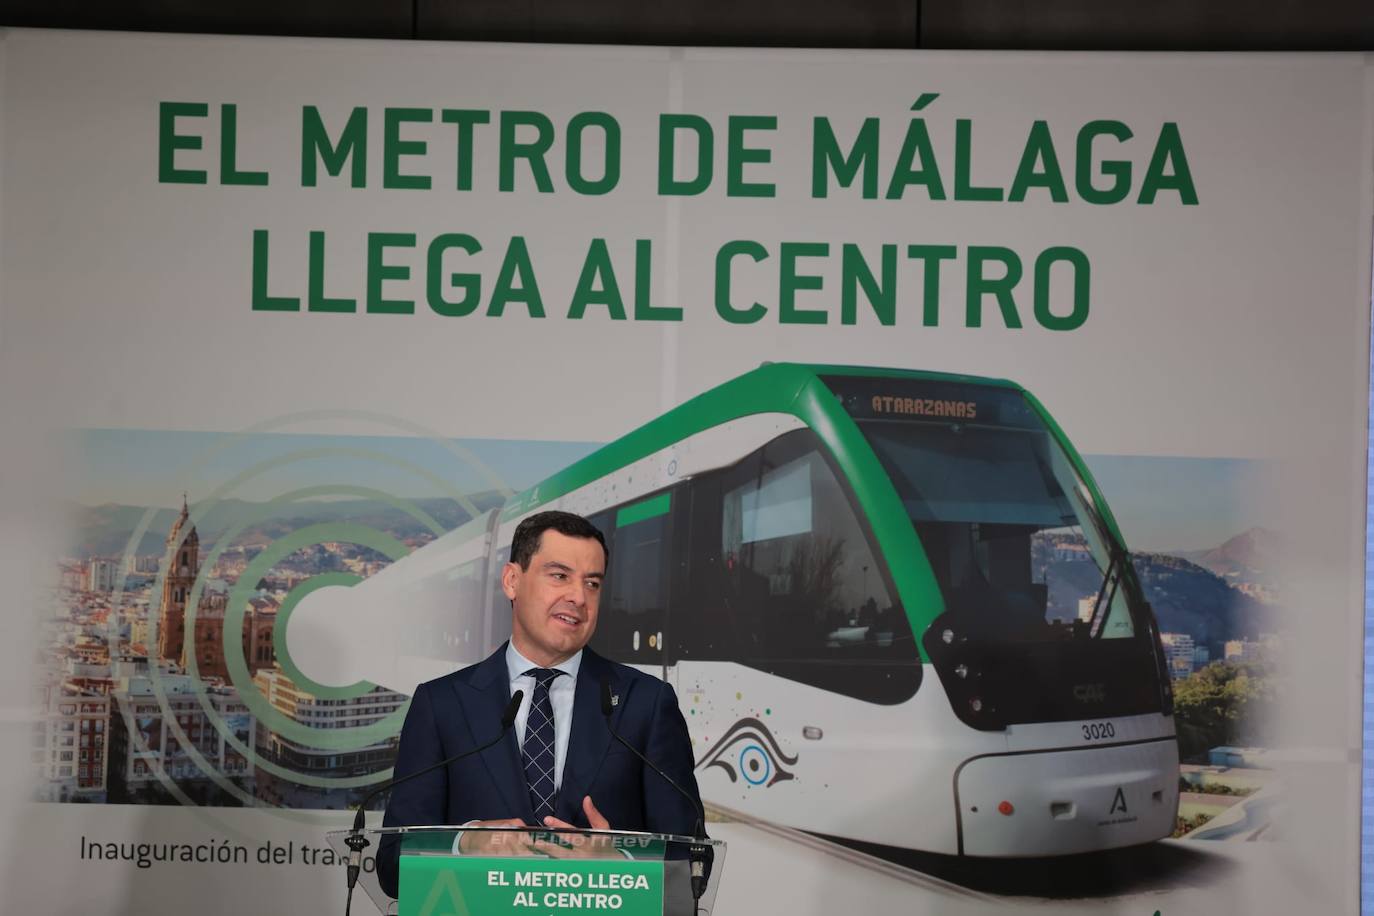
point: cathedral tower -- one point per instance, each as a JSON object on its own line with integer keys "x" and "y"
{"x": 183, "y": 561}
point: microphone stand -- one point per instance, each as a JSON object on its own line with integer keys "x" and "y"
{"x": 356, "y": 842}
{"x": 697, "y": 854}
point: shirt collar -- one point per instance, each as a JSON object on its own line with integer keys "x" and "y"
{"x": 517, "y": 664}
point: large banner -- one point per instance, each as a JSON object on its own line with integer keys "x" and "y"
{"x": 979, "y": 439}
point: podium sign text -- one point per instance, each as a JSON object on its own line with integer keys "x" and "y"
{"x": 436, "y": 885}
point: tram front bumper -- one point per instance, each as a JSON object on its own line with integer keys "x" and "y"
{"x": 1068, "y": 801}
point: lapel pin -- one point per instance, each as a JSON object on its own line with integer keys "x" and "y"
{"x": 615, "y": 699}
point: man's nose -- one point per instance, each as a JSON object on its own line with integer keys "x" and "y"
{"x": 577, "y": 592}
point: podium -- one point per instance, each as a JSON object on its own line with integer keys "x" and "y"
{"x": 532, "y": 871}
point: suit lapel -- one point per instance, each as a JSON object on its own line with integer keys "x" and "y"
{"x": 589, "y": 739}
{"x": 482, "y": 705}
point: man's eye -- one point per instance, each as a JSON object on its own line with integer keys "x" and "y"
{"x": 594, "y": 585}
{"x": 560, "y": 576}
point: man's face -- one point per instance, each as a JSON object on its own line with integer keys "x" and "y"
{"x": 555, "y": 601}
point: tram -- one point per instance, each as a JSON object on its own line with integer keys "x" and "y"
{"x": 894, "y": 606}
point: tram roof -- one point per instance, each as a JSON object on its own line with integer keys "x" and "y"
{"x": 791, "y": 388}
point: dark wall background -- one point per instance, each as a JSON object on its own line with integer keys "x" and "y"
{"x": 1217, "y": 25}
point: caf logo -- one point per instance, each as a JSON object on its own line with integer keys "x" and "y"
{"x": 1090, "y": 693}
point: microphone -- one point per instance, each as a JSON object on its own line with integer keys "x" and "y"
{"x": 356, "y": 842}
{"x": 698, "y": 854}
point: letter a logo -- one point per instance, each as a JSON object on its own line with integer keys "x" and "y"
{"x": 1119, "y": 802}
{"x": 445, "y": 885}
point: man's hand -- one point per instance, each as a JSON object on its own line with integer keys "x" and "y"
{"x": 595, "y": 819}
{"x": 579, "y": 845}
{"x": 485, "y": 842}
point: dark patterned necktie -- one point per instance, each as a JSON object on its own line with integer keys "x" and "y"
{"x": 538, "y": 748}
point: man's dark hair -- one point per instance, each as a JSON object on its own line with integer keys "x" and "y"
{"x": 530, "y": 532}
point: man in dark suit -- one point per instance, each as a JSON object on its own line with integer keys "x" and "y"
{"x": 559, "y": 766}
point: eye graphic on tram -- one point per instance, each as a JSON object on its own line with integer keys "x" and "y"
{"x": 749, "y": 751}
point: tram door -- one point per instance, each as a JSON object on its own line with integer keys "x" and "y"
{"x": 785, "y": 642}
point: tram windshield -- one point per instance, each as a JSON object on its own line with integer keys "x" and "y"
{"x": 1011, "y": 531}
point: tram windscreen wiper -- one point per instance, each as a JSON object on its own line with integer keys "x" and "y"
{"x": 1105, "y": 595}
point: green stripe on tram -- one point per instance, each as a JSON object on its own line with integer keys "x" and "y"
{"x": 644, "y": 510}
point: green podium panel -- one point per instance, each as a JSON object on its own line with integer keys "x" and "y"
{"x": 529, "y": 871}
{"x": 460, "y": 886}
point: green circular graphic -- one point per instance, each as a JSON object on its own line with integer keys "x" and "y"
{"x": 284, "y": 660}
{"x": 193, "y": 603}
{"x": 338, "y": 739}
{"x": 463, "y": 455}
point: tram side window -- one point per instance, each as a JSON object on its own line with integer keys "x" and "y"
{"x": 799, "y": 578}
{"x": 634, "y": 598}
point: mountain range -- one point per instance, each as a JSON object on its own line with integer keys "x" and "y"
{"x": 1249, "y": 557}
{"x": 105, "y": 530}
{"x": 1188, "y": 598}
{"x": 1205, "y": 594}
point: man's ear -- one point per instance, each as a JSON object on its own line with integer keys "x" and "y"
{"x": 510, "y": 577}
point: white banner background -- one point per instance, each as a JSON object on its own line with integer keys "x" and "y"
{"x": 1236, "y": 328}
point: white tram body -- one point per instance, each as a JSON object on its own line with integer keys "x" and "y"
{"x": 859, "y": 735}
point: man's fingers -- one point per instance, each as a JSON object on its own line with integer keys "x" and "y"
{"x": 552, "y": 821}
{"x": 594, "y": 817}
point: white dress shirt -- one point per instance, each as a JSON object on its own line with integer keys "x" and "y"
{"x": 561, "y": 693}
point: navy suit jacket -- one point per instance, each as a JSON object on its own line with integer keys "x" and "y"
{"x": 463, "y": 710}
